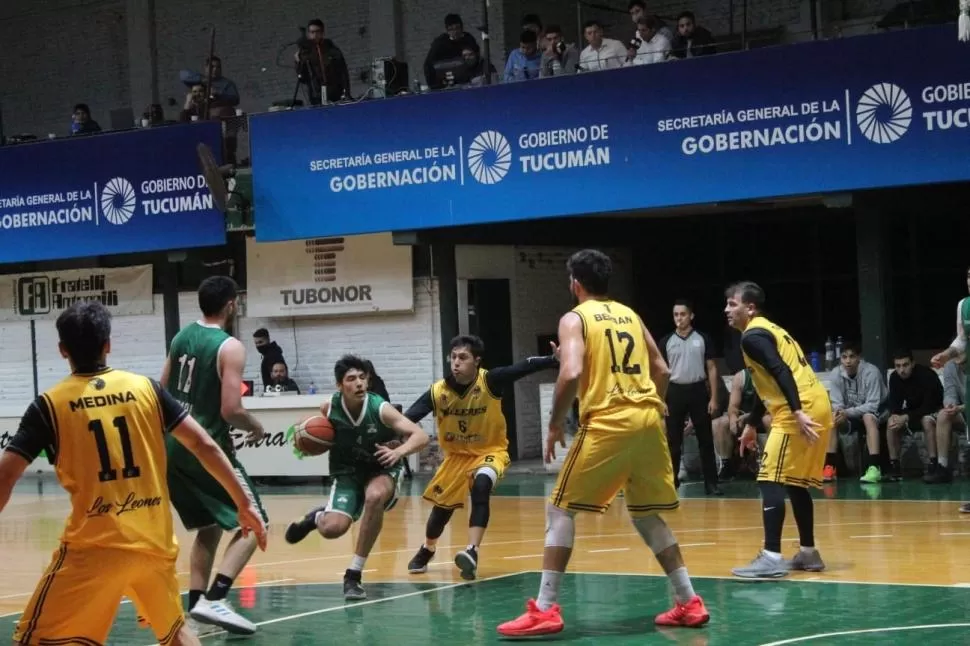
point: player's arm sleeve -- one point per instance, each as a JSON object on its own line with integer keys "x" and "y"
{"x": 36, "y": 433}
{"x": 171, "y": 411}
{"x": 760, "y": 348}
{"x": 498, "y": 379}
{"x": 421, "y": 408}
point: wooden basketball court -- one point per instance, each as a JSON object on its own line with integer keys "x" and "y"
{"x": 898, "y": 571}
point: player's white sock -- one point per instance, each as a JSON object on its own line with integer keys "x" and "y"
{"x": 943, "y": 461}
{"x": 775, "y": 555}
{"x": 548, "y": 589}
{"x": 316, "y": 517}
{"x": 357, "y": 563}
{"x": 683, "y": 589}
{"x": 806, "y": 550}
{"x": 430, "y": 545}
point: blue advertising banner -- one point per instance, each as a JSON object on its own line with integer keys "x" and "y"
{"x": 856, "y": 113}
{"x": 107, "y": 194}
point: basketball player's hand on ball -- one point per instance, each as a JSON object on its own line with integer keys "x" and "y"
{"x": 251, "y": 521}
{"x": 807, "y": 426}
{"x": 748, "y": 440}
{"x": 557, "y": 433}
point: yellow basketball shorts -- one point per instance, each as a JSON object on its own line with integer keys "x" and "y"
{"x": 602, "y": 461}
{"x": 452, "y": 481}
{"x": 789, "y": 459}
{"x": 77, "y": 599}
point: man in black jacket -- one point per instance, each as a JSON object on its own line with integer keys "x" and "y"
{"x": 448, "y": 47}
{"x": 322, "y": 66}
{"x": 915, "y": 395}
{"x": 271, "y": 353}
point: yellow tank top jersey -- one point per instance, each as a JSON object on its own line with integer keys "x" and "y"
{"x": 810, "y": 389}
{"x": 616, "y": 370}
{"x": 472, "y": 424}
{"x": 111, "y": 459}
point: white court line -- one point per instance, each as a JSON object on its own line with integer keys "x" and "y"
{"x": 873, "y": 536}
{"x": 720, "y": 498}
{"x": 522, "y": 556}
{"x": 614, "y": 549}
{"x": 954, "y": 533}
{"x": 783, "y": 580}
{"x": 362, "y": 572}
{"x": 369, "y": 602}
{"x": 866, "y": 631}
{"x": 696, "y": 544}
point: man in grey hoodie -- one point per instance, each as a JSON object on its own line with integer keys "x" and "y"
{"x": 558, "y": 57}
{"x": 860, "y": 403}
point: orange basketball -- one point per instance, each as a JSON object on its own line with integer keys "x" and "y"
{"x": 314, "y": 435}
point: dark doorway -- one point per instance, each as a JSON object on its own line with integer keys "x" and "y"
{"x": 490, "y": 318}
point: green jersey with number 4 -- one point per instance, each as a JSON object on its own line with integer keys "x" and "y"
{"x": 193, "y": 377}
{"x": 356, "y": 439}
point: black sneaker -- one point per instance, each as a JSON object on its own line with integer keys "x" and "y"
{"x": 467, "y": 562}
{"x": 727, "y": 472}
{"x": 353, "y": 591}
{"x": 937, "y": 474}
{"x": 419, "y": 564}
{"x": 300, "y": 529}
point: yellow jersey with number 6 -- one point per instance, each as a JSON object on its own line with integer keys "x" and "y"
{"x": 469, "y": 424}
{"x": 811, "y": 392}
{"x": 616, "y": 368}
{"x": 109, "y": 432}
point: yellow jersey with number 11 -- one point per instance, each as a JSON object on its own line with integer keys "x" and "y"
{"x": 811, "y": 392}
{"x": 616, "y": 382}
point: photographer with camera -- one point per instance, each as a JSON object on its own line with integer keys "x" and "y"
{"x": 321, "y": 65}
{"x": 558, "y": 57}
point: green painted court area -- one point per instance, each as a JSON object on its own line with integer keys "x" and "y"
{"x": 599, "y": 609}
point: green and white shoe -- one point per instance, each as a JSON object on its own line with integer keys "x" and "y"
{"x": 873, "y": 475}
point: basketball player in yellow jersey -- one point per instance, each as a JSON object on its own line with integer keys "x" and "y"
{"x": 801, "y": 420}
{"x": 608, "y": 357}
{"x": 467, "y": 405}
{"x": 104, "y": 432}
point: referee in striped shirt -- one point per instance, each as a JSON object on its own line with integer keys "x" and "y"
{"x": 692, "y": 392}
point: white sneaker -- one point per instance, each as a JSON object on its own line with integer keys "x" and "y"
{"x": 221, "y": 613}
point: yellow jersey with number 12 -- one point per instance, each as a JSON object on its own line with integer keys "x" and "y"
{"x": 469, "y": 424}
{"x": 110, "y": 440}
{"x": 811, "y": 392}
{"x": 616, "y": 369}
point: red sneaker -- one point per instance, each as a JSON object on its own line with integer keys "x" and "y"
{"x": 692, "y": 614}
{"x": 534, "y": 622}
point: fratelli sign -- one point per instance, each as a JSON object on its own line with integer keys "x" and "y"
{"x": 835, "y": 115}
{"x": 108, "y": 194}
{"x": 124, "y": 291}
{"x": 363, "y": 274}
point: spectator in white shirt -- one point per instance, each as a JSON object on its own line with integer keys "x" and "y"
{"x": 650, "y": 46}
{"x": 637, "y": 10}
{"x": 601, "y": 53}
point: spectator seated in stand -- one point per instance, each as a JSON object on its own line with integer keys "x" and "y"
{"x": 859, "y": 405}
{"x": 915, "y": 396}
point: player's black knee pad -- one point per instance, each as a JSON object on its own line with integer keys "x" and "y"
{"x": 772, "y": 494}
{"x": 481, "y": 492}
{"x": 436, "y": 522}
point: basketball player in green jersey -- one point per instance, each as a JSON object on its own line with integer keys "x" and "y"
{"x": 366, "y": 464}
{"x": 204, "y": 370}
{"x": 959, "y": 345}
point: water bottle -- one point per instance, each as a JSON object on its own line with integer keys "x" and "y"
{"x": 815, "y": 360}
{"x": 838, "y": 348}
{"x": 416, "y": 85}
{"x": 829, "y": 353}
{"x": 312, "y": 389}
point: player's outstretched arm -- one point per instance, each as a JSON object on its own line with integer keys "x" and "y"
{"x": 415, "y": 437}
{"x": 421, "y": 408}
{"x": 34, "y": 435}
{"x": 232, "y": 362}
{"x": 498, "y": 379}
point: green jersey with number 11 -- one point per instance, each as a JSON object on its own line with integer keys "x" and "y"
{"x": 193, "y": 377}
